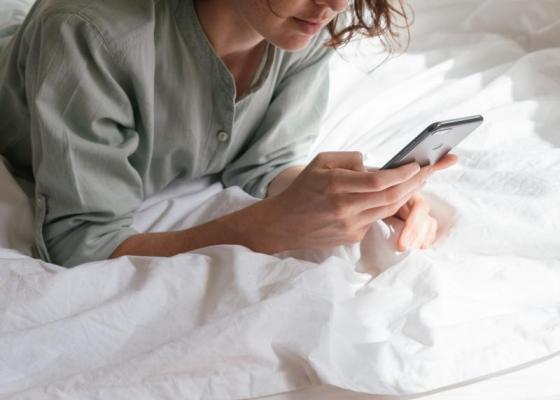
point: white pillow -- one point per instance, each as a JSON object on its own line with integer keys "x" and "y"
{"x": 16, "y": 215}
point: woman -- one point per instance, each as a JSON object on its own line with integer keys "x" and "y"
{"x": 105, "y": 103}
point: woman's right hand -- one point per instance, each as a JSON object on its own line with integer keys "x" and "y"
{"x": 333, "y": 202}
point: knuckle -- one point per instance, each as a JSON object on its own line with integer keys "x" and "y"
{"x": 392, "y": 195}
{"x": 338, "y": 207}
{"x": 428, "y": 171}
{"x": 321, "y": 157}
{"x": 332, "y": 185}
{"x": 345, "y": 226}
{"x": 325, "y": 158}
{"x": 357, "y": 156}
{"x": 374, "y": 182}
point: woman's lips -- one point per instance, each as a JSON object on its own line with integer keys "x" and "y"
{"x": 309, "y": 27}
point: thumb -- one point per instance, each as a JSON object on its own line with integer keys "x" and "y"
{"x": 415, "y": 200}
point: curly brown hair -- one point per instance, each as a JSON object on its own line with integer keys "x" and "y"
{"x": 371, "y": 18}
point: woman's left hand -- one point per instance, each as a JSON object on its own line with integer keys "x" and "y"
{"x": 420, "y": 228}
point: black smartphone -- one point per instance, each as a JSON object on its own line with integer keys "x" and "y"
{"x": 435, "y": 141}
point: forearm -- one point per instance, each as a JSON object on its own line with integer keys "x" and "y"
{"x": 283, "y": 180}
{"x": 239, "y": 228}
{"x": 167, "y": 244}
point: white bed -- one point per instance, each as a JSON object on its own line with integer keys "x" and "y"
{"x": 537, "y": 381}
{"x": 476, "y": 317}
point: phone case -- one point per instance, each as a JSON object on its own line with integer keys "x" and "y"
{"x": 435, "y": 141}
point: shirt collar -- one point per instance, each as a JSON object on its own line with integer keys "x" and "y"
{"x": 196, "y": 39}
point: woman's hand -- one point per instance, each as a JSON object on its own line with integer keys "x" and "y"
{"x": 332, "y": 202}
{"x": 420, "y": 228}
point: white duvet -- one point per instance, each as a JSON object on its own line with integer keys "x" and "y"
{"x": 226, "y": 323}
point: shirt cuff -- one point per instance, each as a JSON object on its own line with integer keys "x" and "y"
{"x": 73, "y": 249}
{"x": 260, "y": 188}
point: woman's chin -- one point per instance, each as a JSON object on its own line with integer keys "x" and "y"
{"x": 293, "y": 43}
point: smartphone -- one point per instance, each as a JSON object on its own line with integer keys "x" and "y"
{"x": 435, "y": 141}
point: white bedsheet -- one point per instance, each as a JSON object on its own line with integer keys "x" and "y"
{"x": 226, "y": 323}
{"x": 537, "y": 381}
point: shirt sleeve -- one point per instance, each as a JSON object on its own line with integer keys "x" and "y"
{"x": 290, "y": 125}
{"x": 83, "y": 140}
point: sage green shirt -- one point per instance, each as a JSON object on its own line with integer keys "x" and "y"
{"x": 104, "y": 103}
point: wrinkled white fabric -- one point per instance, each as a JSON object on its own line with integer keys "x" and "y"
{"x": 226, "y": 323}
{"x": 16, "y": 215}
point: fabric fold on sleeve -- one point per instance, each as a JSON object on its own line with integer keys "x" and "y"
{"x": 83, "y": 140}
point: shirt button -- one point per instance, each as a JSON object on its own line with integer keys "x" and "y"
{"x": 222, "y": 136}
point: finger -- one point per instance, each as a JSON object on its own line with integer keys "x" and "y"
{"x": 414, "y": 224}
{"x": 432, "y": 234}
{"x": 404, "y": 211}
{"x": 346, "y": 181}
{"x": 419, "y": 199}
{"x": 368, "y": 216}
{"x": 355, "y": 203}
{"x": 401, "y": 194}
{"x": 445, "y": 162}
{"x": 422, "y": 233}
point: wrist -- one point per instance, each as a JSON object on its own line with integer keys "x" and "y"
{"x": 253, "y": 227}
{"x": 283, "y": 180}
